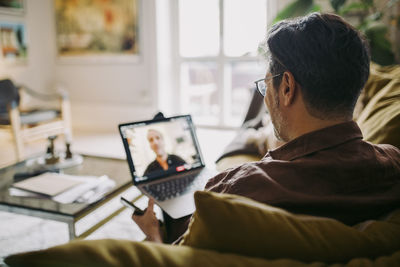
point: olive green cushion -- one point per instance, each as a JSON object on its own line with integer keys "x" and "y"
{"x": 234, "y": 224}
{"x": 236, "y": 228}
{"x": 112, "y": 252}
{"x": 380, "y": 118}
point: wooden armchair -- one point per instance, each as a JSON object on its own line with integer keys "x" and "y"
{"x": 32, "y": 124}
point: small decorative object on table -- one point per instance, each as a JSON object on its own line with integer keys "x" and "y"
{"x": 51, "y": 157}
{"x": 53, "y": 160}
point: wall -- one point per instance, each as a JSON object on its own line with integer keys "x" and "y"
{"x": 102, "y": 94}
{"x": 38, "y": 71}
{"x": 105, "y": 94}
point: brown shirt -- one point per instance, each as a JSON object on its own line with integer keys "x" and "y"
{"x": 330, "y": 172}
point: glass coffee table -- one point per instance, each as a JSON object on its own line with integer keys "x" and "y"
{"x": 82, "y": 218}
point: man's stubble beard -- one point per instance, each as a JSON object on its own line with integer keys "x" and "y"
{"x": 278, "y": 121}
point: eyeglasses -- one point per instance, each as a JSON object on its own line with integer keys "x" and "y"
{"x": 261, "y": 84}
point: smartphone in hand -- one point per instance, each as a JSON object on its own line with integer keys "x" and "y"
{"x": 136, "y": 210}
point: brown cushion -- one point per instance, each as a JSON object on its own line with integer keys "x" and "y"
{"x": 234, "y": 224}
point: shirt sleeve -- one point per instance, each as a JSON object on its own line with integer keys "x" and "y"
{"x": 221, "y": 182}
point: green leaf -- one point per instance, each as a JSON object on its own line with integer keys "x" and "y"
{"x": 371, "y": 21}
{"x": 375, "y": 16}
{"x": 337, "y": 4}
{"x": 315, "y": 8}
{"x": 295, "y": 9}
{"x": 369, "y": 3}
{"x": 381, "y": 49}
{"x": 352, "y": 7}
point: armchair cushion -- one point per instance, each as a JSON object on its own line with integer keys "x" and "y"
{"x": 32, "y": 117}
{"x": 8, "y": 94}
{"x": 234, "y": 224}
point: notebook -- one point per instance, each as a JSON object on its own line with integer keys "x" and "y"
{"x": 165, "y": 161}
{"x": 49, "y": 184}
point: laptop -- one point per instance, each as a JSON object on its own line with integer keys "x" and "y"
{"x": 165, "y": 161}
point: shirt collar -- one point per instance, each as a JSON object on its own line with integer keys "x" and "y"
{"x": 317, "y": 140}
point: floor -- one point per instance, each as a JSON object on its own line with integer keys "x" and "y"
{"x": 22, "y": 233}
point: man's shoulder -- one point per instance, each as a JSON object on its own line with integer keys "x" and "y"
{"x": 248, "y": 168}
{"x": 387, "y": 149}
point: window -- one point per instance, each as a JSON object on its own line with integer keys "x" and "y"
{"x": 217, "y": 57}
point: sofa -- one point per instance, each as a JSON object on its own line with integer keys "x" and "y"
{"x": 230, "y": 230}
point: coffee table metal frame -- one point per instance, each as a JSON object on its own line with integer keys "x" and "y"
{"x": 127, "y": 189}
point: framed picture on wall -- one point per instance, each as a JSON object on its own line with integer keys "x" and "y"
{"x": 97, "y": 31}
{"x": 12, "y": 7}
{"x": 13, "y": 42}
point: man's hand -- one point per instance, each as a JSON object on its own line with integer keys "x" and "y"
{"x": 148, "y": 223}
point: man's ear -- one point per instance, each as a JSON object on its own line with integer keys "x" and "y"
{"x": 288, "y": 88}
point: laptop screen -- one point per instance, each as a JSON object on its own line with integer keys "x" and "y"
{"x": 160, "y": 148}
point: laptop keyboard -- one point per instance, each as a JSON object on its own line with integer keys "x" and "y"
{"x": 175, "y": 187}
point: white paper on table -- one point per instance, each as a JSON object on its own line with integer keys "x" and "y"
{"x": 77, "y": 192}
{"x": 105, "y": 185}
{"x": 48, "y": 183}
{"x": 22, "y": 193}
{"x": 91, "y": 189}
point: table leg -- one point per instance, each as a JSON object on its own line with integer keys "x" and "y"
{"x": 71, "y": 229}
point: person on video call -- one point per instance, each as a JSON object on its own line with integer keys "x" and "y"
{"x": 163, "y": 161}
{"x": 318, "y": 65}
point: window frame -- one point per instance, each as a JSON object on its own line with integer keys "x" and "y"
{"x": 224, "y": 68}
